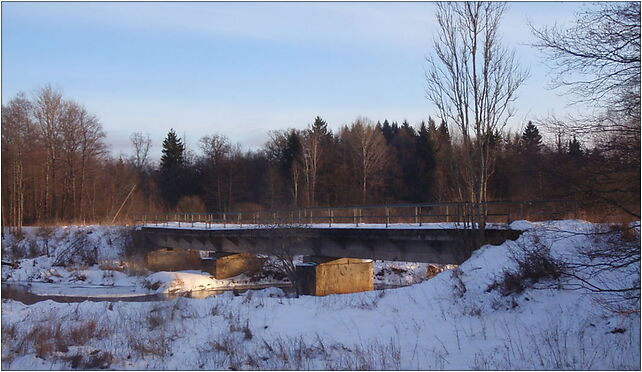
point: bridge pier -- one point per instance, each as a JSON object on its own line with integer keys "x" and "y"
{"x": 321, "y": 276}
{"x": 173, "y": 259}
{"x": 221, "y": 265}
{"x": 226, "y": 265}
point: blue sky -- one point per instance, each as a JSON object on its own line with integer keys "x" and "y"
{"x": 241, "y": 69}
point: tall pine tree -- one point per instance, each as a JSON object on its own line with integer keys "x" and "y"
{"x": 172, "y": 169}
{"x": 387, "y": 131}
{"x": 425, "y": 165}
{"x": 173, "y": 151}
{"x": 574, "y": 148}
{"x": 531, "y": 139}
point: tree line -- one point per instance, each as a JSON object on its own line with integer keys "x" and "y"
{"x": 56, "y": 167}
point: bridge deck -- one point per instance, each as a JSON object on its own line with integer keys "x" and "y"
{"x": 391, "y": 226}
{"x": 435, "y": 243}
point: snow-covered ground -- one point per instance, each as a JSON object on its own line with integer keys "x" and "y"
{"x": 459, "y": 319}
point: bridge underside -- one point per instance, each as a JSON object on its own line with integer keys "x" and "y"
{"x": 440, "y": 246}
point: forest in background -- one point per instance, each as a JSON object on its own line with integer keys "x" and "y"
{"x": 57, "y": 168}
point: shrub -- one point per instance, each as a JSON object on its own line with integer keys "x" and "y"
{"x": 158, "y": 345}
{"x": 85, "y": 331}
{"x": 81, "y": 250}
{"x": 459, "y": 288}
{"x": 93, "y": 360}
{"x": 534, "y": 265}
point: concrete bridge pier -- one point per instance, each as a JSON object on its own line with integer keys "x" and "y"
{"x": 172, "y": 259}
{"x": 226, "y": 265}
{"x": 321, "y": 276}
{"x": 221, "y": 265}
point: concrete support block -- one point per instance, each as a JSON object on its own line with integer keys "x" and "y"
{"x": 173, "y": 259}
{"x": 226, "y": 265}
{"x": 322, "y": 276}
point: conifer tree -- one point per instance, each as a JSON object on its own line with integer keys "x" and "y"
{"x": 387, "y": 131}
{"x": 444, "y": 134}
{"x": 531, "y": 139}
{"x": 574, "y": 148}
{"x": 173, "y": 151}
{"x": 171, "y": 173}
{"x": 432, "y": 127}
{"x": 425, "y": 165}
{"x": 405, "y": 126}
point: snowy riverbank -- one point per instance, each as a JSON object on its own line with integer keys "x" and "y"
{"x": 90, "y": 261}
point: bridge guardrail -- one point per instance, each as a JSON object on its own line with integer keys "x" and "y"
{"x": 460, "y": 212}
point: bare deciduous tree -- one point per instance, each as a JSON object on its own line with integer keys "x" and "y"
{"x": 311, "y": 155}
{"x": 48, "y": 111}
{"x": 473, "y": 79}
{"x": 218, "y": 151}
{"x": 91, "y": 148}
{"x": 16, "y": 138}
{"x": 598, "y": 58}
{"x": 142, "y": 144}
{"x": 369, "y": 152}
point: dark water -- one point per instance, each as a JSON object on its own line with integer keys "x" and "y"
{"x": 19, "y": 292}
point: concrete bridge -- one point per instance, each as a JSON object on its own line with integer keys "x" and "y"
{"x": 340, "y": 243}
{"x": 435, "y": 243}
{"x": 338, "y": 259}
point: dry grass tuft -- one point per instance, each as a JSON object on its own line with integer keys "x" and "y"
{"x": 85, "y": 331}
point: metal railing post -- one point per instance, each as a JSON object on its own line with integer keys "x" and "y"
{"x": 508, "y": 214}
{"x": 387, "y": 217}
{"x": 354, "y": 217}
{"x": 521, "y": 211}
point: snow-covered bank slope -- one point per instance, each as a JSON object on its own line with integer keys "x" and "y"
{"x": 39, "y": 249}
{"x": 449, "y": 322}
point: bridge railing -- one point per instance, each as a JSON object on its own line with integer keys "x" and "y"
{"x": 417, "y": 214}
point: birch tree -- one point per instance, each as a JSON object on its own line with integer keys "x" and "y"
{"x": 48, "y": 111}
{"x": 16, "y": 128}
{"x": 473, "y": 79}
{"x": 312, "y": 148}
{"x": 369, "y": 152}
